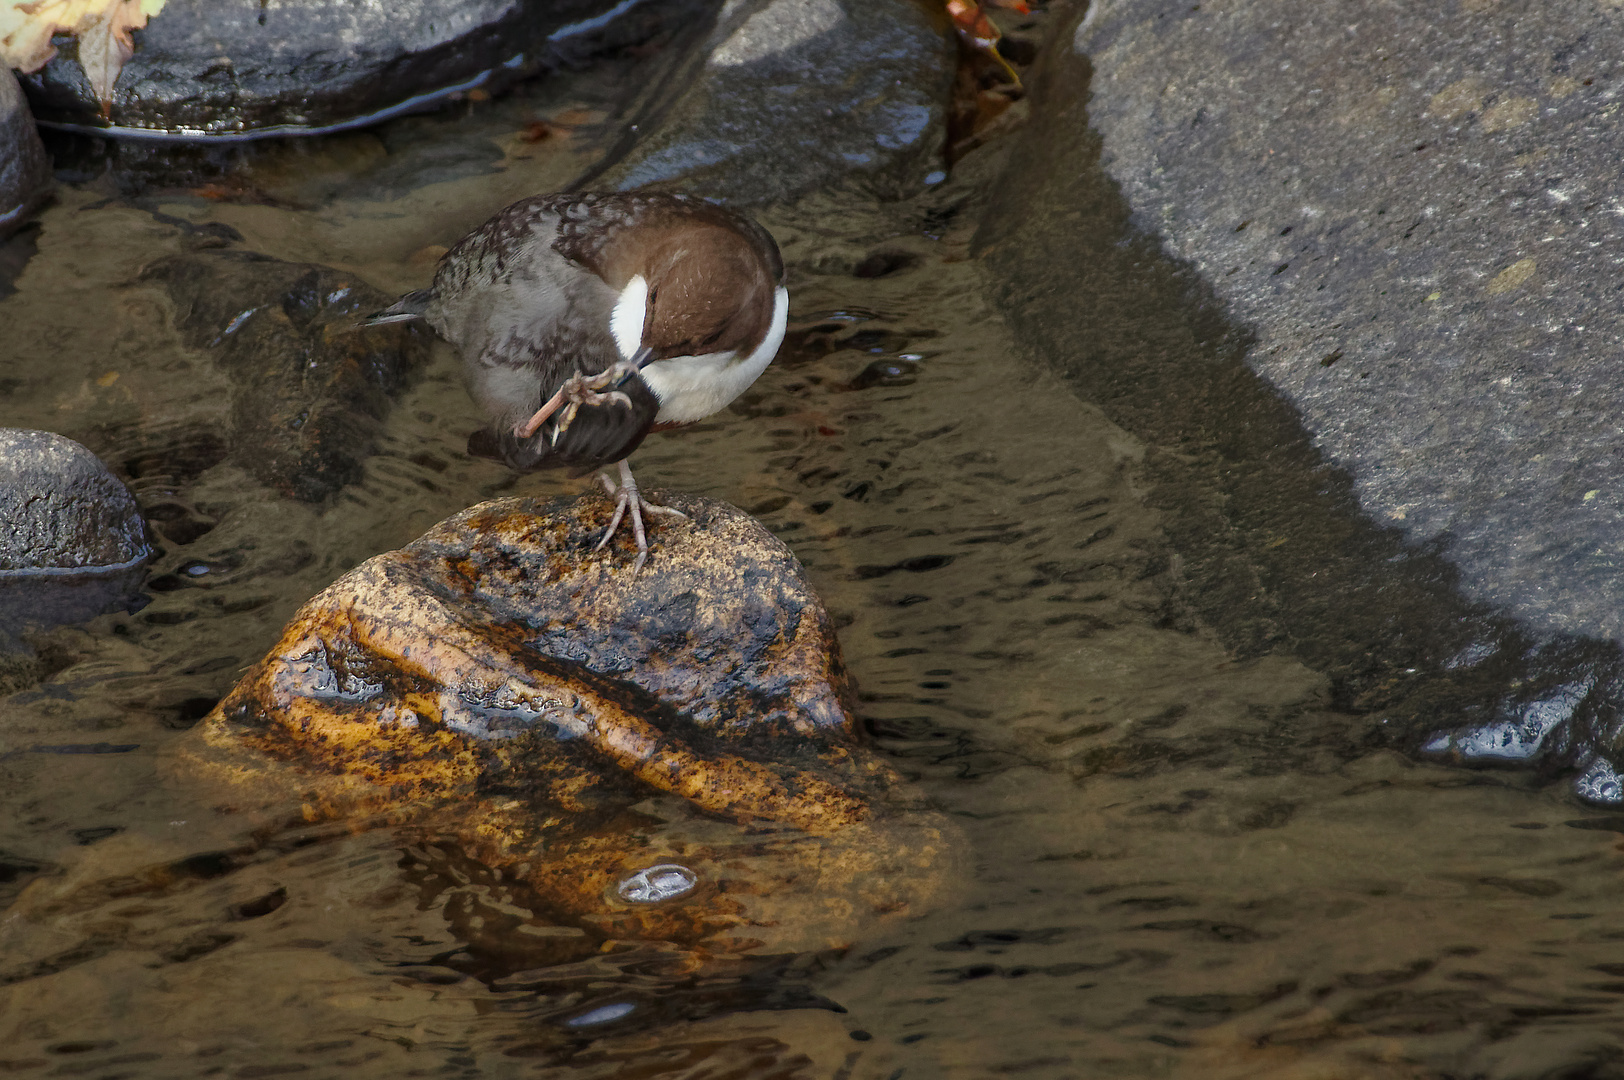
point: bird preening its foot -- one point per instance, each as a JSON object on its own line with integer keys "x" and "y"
{"x": 585, "y": 321}
{"x": 579, "y": 390}
{"x": 628, "y": 498}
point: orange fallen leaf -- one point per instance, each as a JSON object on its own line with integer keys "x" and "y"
{"x": 979, "y": 32}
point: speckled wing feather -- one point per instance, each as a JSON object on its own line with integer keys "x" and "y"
{"x": 522, "y": 316}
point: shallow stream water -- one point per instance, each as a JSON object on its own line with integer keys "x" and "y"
{"x": 1179, "y": 864}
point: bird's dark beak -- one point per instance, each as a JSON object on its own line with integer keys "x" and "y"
{"x": 642, "y": 358}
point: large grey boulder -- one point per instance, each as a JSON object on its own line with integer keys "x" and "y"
{"x": 235, "y": 67}
{"x": 786, "y": 96}
{"x": 25, "y": 170}
{"x": 1386, "y": 241}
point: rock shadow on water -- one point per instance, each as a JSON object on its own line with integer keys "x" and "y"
{"x": 1276, "y": 551}
{"x": 664, "y": 762}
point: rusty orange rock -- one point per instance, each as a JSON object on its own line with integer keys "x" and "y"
{"x": 572, "y": 726}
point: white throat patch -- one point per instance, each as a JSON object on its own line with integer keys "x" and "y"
{"x": 631, "y": 311}
{"x": 693, "y": 387}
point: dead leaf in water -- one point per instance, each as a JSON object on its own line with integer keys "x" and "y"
{"x": 981, "y": 33}
{"x": 103, "y": 28}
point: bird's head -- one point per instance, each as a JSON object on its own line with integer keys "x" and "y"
{"x": 697, "y": 289}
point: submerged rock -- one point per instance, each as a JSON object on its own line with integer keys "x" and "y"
{"x": 236, "y": 67}
{"x": 596, "y": 737}
{"x": 25, "y": 170}
{"x": 790, "y": 95}
{"x": 311, "y": 384}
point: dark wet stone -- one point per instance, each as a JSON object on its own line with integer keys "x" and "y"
{"x": 787, "y": 96}
{"x": 73, "y": 545}
{"x": 311, "y": 385}
{"x": 224, "y": 67}
{"x": 61, "y": 511}
{"x": 583, "y": 731}
{"x": 1385, "y": 441}
{"x": 25, "y": 171}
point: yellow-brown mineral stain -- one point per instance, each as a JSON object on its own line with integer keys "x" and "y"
{"x": 1510, "y": 113}
{"x": 1511, "y": 277}
{"x": 1457, "y": 99}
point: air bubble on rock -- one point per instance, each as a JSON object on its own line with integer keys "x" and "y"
{"x": 601, "y": 1015}
{"x": 655, "y": 884}
{"x": 935, "y": 177}
{"x": 1600, "y": 783}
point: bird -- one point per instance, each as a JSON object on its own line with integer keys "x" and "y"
{"x": 587, "y": 320}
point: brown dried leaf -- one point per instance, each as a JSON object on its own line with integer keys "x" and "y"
{"x": 105, "y": 44}
{"x": 102, "y": 26}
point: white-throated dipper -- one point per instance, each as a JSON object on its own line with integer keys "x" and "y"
{"x": 586, "y": 321}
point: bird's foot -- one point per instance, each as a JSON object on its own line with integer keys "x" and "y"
{"x": 628, "y": 498}
{"x": 578, "y": 390}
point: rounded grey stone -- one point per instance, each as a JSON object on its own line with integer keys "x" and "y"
{"x": 25, "y": 170}
{"x": 62, "y": 512}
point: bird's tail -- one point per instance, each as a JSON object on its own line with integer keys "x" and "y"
{"x": 408, "y": 308}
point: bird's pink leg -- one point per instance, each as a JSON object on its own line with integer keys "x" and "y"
{"x": 627, "y": 497}
{"x": 533, "y": 425}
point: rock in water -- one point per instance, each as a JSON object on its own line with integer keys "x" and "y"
{"x": 599, "y": 737}
{"x": 72, "y": 543}
{"x": 25, "y": 170}
{"x": 1398, "y": 221}
{"x": 244, "y": 67}
{"x": 61, "y": 511}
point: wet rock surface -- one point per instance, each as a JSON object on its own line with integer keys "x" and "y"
{"x": 245, "y": 67}
{"x": 25, "y": 171}
{"x": 789, "y": 95}
{"x": 1412, "y": 249}
{"x": 587, "y": 734}
{"x": 62, "y": 511}
{"x": 72, "y": 544}
{"x": 309, "y": 383}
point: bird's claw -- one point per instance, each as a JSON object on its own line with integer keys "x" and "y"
{"x": 578, "y": 390}
{"x": 627, "y": 497}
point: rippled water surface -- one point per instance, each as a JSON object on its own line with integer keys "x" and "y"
{"x": 1179, "y": 863}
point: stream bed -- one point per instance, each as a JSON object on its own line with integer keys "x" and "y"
{"x": 1184, "y": 858}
